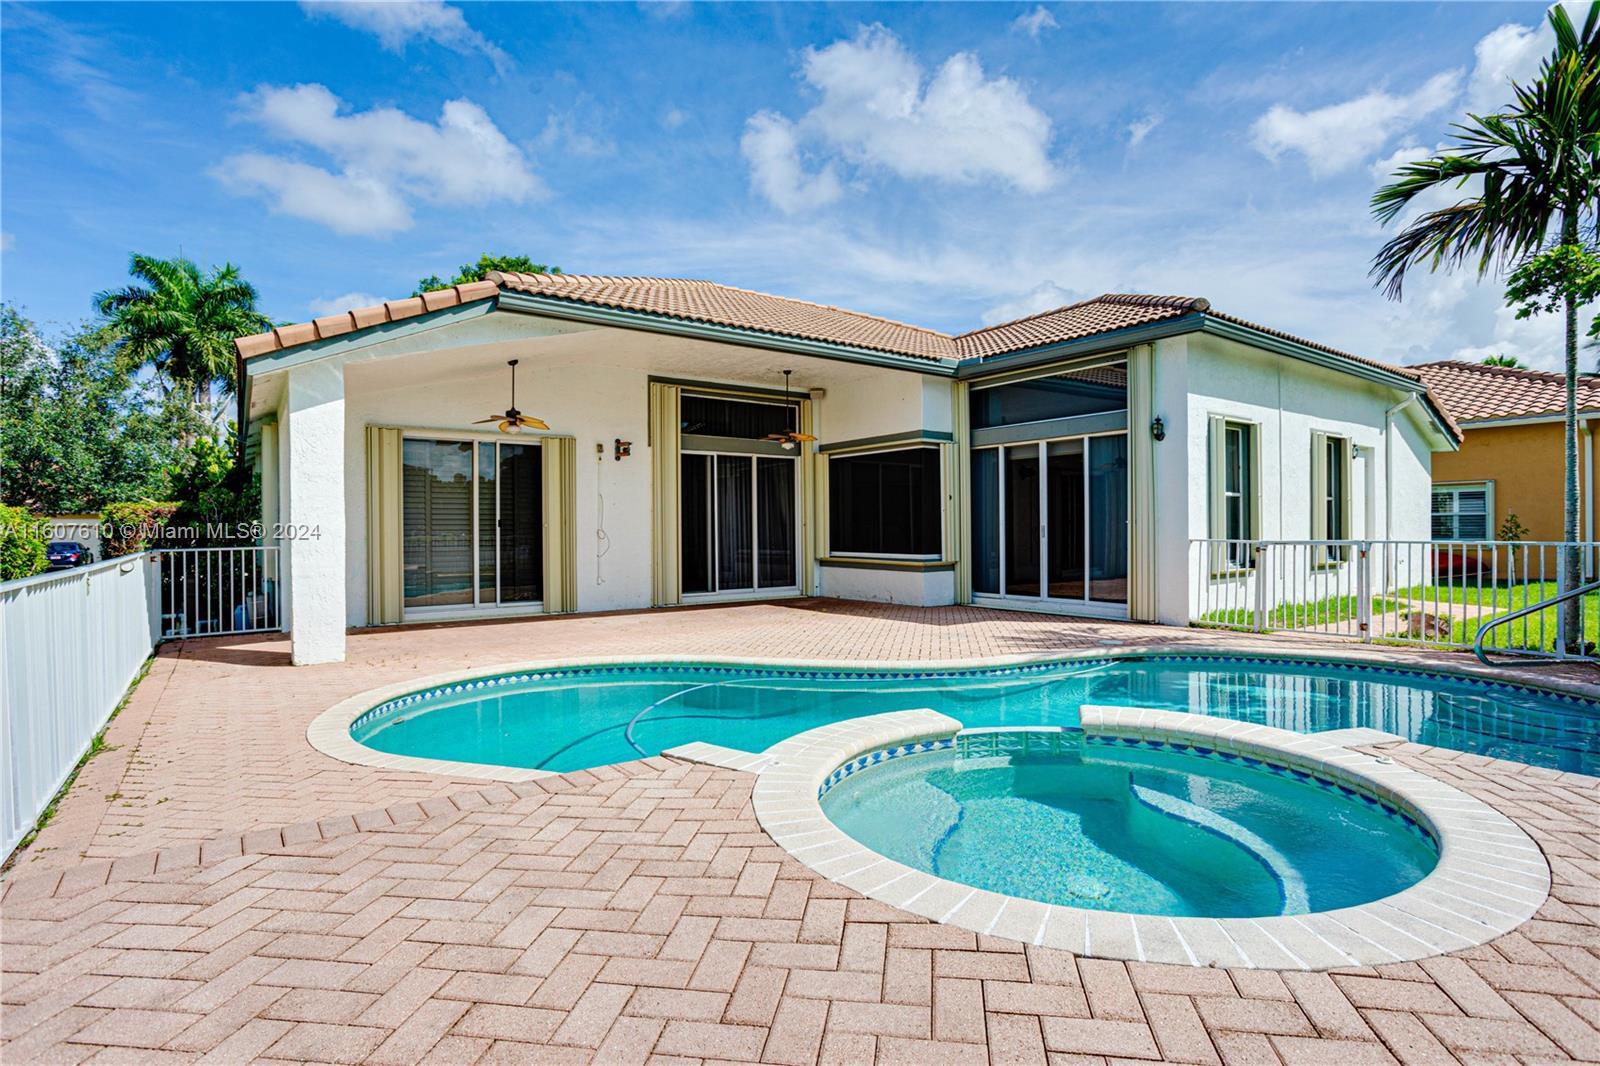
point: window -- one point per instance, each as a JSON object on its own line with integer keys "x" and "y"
{"x": 885, "y": 503}
{"x": 1233, "y": 491}
{"x": 714, "y": 416}
{"x": 1095, "y": 390}
{"x": 472, "y": 523}
{"x": 1330, "y": 488}
{"x": 1461, "y": 512}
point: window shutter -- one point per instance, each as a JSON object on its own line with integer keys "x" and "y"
{"x": 1346, "y": 490}
{"x": 1319, "y": 489}
{"x": 384, "y": 597}
{"x": 1216, "y": 447}
{"x": 665, "y": 462}
{"x": 560, "y": 458}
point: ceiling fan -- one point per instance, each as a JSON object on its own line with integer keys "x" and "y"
{"x": 792, "y": 436}
{"x": 513, "y": 421}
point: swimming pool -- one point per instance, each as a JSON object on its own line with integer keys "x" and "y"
{"x": 569, "y": 718}
{"x": 1153, "y": 828}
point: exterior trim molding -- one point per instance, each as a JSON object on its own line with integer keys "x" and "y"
{"x": 909, "y": 438}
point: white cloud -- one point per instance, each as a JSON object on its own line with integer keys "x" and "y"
{"x": 1505, "y": 55}
{"x": 1139, "y": 129}
{"x": 1045, "y": 296}
{"x": 576, "y": 135}
{"x": 1341, "y": 136}
{"x": 7, "y": 242}
{"x": 879, "y": 109}
{"x": 396, "y": 23}
{"x": 1035, "y": 22}
{"x": 339, "y": 304}
{"x": 673, "y": 117}
{"x": 1538, "y": 341}
{"x": 776, "y": 170}
{"x": 383, "y": 160}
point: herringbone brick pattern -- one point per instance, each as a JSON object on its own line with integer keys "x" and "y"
{"x": 213, "y": 741}
{"x": 639, "y": 914}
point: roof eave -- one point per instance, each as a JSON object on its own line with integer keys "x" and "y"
{"x": 1293, "y": 349}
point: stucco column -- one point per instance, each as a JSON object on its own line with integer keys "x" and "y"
{"x": 1178, "y": 473}
{"x": 313, "y": 482}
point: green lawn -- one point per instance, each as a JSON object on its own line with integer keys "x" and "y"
{"x": 1496, "y": 600}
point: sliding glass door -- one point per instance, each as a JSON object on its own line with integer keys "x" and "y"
{"x": 473, "y": 524}
{"x": 1050, "y": 521}
{"x": 738, "y": 523}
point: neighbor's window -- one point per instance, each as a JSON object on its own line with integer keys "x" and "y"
{"x": 1461, "y": 512}
{"x": 885, "y": 503}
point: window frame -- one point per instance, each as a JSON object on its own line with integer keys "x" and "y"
{"x": 942, "y": 490}
{"x": 1455, "y": 489}
{"x": 477, "y": 607}
{"x": 1231, "y": 559}
{"x": 1332, "y": 456}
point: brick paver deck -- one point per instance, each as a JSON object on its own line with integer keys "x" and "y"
{"x": 340, "y": 914}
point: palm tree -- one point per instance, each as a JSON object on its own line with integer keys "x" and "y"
{"x": 1508, "y": 361}
{"x": 1536, "y": 169}
{"x": 182, "y": 322}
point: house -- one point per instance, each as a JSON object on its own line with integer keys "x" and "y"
{"x": 710, "y": 444}
{"x": 1511, "y": 460}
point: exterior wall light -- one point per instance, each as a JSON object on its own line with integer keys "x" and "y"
{"x": 1158, "y": 429}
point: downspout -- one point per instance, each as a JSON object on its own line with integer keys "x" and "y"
{"x": 1388, "y": 463}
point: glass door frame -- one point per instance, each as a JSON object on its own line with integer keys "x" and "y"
{"x": 756, "y": 589}
{"x": 1043, "y": 601}
{"x": 477, "y": 608}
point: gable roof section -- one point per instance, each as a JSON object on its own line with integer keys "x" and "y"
{"x": 1473, "y": 392}
{"x": 705, "y": 302}
{"x": 1103, "y": 314}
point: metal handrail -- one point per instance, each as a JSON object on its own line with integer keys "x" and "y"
{"x": 1522, "y": 612}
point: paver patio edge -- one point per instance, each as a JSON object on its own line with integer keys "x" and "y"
{"x": 90, "y": 875}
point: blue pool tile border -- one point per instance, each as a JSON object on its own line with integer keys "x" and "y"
{"x": 1388, "y": 809}
{"x": 494, "y": 681}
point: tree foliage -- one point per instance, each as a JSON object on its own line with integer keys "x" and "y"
{"x": 470, "y": 272}
{"x": 181, "y": 321}
{"x": 81, "y": 430}
{"x": 22, "y": 544}
{"x": 1509, "y": 361}
{"x": 1544, "y": 281}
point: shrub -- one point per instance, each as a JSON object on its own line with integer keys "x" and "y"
{"x": 132, "y": 527}
{"x": 22, "y": 544}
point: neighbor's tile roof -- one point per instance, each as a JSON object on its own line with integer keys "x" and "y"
{"x": 1473, "y": 392}
{"x": 690, "y": 300}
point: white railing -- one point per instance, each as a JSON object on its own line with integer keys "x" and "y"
{"x": 207, "y": 592}
{"x": 70, "y": 643}
{"x": 1432, "y": 593}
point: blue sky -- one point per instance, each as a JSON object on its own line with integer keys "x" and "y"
{"x": 948, "y": 164}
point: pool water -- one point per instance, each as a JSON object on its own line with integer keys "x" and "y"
{"x": 569, "y": 719}
{"x": 1149, "y": 832}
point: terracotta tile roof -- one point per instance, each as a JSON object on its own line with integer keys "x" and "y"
{"x": 691, "y": 300}
{"x": 1473, "y": 392}
{"x": 349, "y": 321}
{"x": 1086, "y": 318}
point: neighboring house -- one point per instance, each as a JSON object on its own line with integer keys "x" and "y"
{"x": 82, "y": 528}
{"x": 1061, "y": 462}
{"x": 1511, "y": 460}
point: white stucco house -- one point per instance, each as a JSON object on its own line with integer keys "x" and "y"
{"x": 1061, "y": 462}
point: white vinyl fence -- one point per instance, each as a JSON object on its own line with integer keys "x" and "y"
{"x": 1432, "y": 593}
{"x": 70, "y": 644}
{"x": 73, "y": 640}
